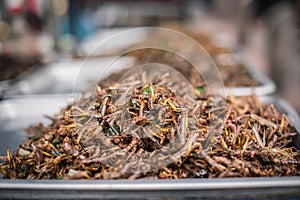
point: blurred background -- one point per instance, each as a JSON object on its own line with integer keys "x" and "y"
{"x": 35, "y": 32}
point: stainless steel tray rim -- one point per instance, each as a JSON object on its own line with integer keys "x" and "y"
{"x": 132, "y": 185}
{"x": 261, "y": 90}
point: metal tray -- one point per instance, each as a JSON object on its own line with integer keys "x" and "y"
{"x": 19, "y": 113}
{"x": 65, "y": 76}
{"x": 15, "y": 66}
{"x": 4, "y": 85}
{"x": 16, "y": 114}
{"x": 266, "y": 87}
{"x": 88, "y": 48}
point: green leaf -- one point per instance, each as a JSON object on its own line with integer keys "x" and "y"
{"x": 114, "y": 130}
{"x": 147, "y": 89}
{"x": 135, "y": 103}
{"x": 56, "y": 141}
{"x": 201, "y": 89}
{"x": 27, "y": 170}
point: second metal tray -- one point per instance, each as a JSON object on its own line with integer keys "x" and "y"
{"x": 66, "y": 76}
{"x": 266, "y": 85}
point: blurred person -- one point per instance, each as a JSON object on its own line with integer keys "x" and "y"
{"x": 280, "y": 19}
{"x": 32, "y": 16}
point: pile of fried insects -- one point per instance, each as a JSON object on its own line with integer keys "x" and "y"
{"x": 253, "y": 141}
{"x": 233, "y": 75}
